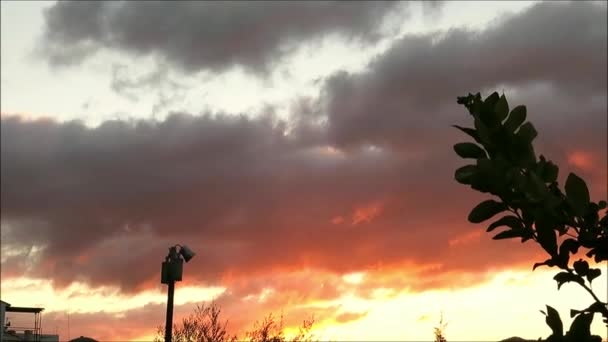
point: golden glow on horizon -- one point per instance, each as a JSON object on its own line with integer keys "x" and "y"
{"x": 354, "y": 278}
{"x": 506, "y": 305}
{"x": 81, "y": 298}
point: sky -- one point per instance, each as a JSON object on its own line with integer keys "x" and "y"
{"x": 303, "y": 150}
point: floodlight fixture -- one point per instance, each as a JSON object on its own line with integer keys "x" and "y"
{"x": 186, "y": 253}
{"x": 171, "y": 272}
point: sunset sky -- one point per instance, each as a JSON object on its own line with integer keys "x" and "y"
{"x": 303, "y": 150}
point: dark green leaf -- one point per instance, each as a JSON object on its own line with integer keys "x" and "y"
{"x": 501, "y": 108}
{"x": 565, "y": 277}
{"x": 486, "y": 210}
{"x": 508, "y": 234}
{"x": 577, "y": 193}
{"x": 554, "y": 321}
{"x": 581, "y": 267}
{"x": 593, "y": 273}
{"x": 601, "y": 205}
{"x": 527, "y": 132}
{"x": 469, "y": 150}
{"x": 516, "y": 118}
{"x": 463, "y": 175}
{"x": 510, "y": 221}
{"x": 580, "y": 329}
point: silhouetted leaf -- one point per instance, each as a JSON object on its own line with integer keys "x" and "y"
{"x": 581, "y": 267}
{"x": 550, "y": 172}
{"x": 600, "y": 253}
{"x": 535, "y": 188}
{"x": 508, "y": 234}
{"x": 547, "y": 239}
{"x": 469, "y": 150}
{"x": 565, "y": 277}
{"x": 510, "y": 221}
{"x": 463, "y": 175}
{"x": 486, "y": 210}
{"x": 548, "y": 262}
{"x": 574, "y": 312}
{"x": 501, "y": 108}
{"x": 580, "y": 329}
{"x": 577, "y": 193}
{"x": 515, "y": 119}
{"x": 592, "y": 273}
{"x": 470, "y": 131}
{"x": 569, "y": 246}
{"x": 601, "y": 205}
{"x": 598, "y": 307}
{"x": 545, "y": 234}
{"x": 554, "y": 321}
{"x": 527, "y": 132}
{"x": 483, "y": 132}
{"x": 463, "y": 100}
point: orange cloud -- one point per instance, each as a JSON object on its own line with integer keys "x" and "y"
{"x": 469, "y": 237}
{"x": 350, "y": 316}
{"x": 366, "y": 213}
{"x": 581, "y": 159}
{"x": 337, "y": 220}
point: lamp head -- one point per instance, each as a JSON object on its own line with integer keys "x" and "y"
{"x": 186, "y": 253}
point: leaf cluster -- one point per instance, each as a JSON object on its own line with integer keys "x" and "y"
{"x": 526, "y": 190}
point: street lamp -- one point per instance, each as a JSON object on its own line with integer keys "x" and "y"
{"x": 171, "y": 272}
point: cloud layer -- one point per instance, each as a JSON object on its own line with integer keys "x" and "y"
{"x": 360, "y": 188}
{"x": 209, "y": 36}
{"x": 358, "y": 179}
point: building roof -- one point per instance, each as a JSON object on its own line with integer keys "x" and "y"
{"x": 23, "y": 309}
{"x": 5, "y": 303}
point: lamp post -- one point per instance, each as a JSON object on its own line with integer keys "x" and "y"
{"x": 171, "y": 271}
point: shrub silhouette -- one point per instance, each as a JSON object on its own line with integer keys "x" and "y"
{"x": 439, "y": 330}
{"x": 269, "y": 330}
{"x": 205, "y": 325}
{"x": 526, "y": 190}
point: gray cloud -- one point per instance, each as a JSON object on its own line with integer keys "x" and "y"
{"x": 210, "y": 36}
{"x": 413, "y": 85}
{"x": 252, "y": 199}
{"x": 104, "y": 203}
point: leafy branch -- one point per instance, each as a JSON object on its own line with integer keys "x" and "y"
{"x": 526, "y": 187}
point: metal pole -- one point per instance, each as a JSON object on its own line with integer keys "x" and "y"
{"x": 169, "y": 322}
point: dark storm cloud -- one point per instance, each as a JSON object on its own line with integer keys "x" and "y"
{"x": 211, "y": 36}
{"x": 106, "y": 202}
{"x": 413, "y": 85}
